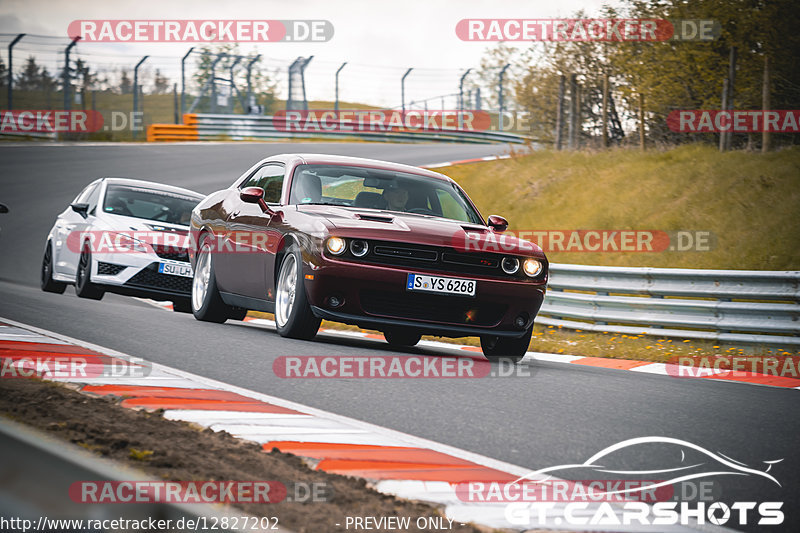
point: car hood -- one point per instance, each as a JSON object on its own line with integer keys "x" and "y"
{"x": 150, "y": 231}
{"x": 417, "y": 229}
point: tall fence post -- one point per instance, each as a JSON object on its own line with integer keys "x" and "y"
{"x": 183, "y": 80}
{"x": 403, "y": 90}
{"x": 461, "y": 89}
{"x": 765, "y": 135}
{"x": 67, "y": 81}
{"x": 500, "y": 96}
{"x": 336, "y": 102}
{"x": 175, "y": 102}
{"x": 573, "y": 95}
{"x": 11, "y": 70}
{"x": 605, "y": 111}
{"x": 250, "y": 64}
{"x": 641, "y": 121}
{"x": 562, "y": 80}
{"x": 231, "y": 101}
{"x": 136, "y": 95}
{"x": 731, "y": 92}
{"x": 722, "y": 141}
{"x": 214, "y": 81}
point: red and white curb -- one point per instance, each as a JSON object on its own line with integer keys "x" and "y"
{"x": 464, "y": 161}
{"x": 644, "y": 367}
{"x": 395, "y": 462}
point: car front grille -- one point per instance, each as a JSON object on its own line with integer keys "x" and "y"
{"x": 109, "y": 269}
{"x": 442, "y": 259}
{"x": 150, "y": 278}
{"x": 432, "y": 308}
{"x": 174, "y": 253}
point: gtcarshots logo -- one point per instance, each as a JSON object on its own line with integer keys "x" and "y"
{"x": 605, "y": 503}
{"x": 211, "y": 31}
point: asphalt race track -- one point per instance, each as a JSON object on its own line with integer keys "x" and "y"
{"x": 559, "y": 414}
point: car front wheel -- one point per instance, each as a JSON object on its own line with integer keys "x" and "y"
{"x": 293, "y": 316}
{"x": 503, "y": 348}
{"x": 48, "y": 284}
{"x": 207, "y": 304}
{"x": 84, "y": 287}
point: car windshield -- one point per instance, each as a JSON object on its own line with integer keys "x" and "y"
{"x": 149, "y": 204}
{"x": 380, "y": 189}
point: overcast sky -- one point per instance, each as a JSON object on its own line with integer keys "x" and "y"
{"x": 379, "y": 39}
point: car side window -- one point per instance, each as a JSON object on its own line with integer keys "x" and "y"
{"x": 270, "y": 178}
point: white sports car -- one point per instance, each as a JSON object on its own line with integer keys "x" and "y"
{"x": 125, "y": 236}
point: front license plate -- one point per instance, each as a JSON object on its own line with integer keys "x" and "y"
{"x": 176, "y": 269}
{"x": 463, "y": 287}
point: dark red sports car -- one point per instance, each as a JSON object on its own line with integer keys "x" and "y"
{"x": 380, "y": 245}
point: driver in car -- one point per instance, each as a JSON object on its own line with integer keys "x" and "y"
{"x": 396, "y": 197}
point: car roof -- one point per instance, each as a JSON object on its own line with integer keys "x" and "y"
{"x": 322, "y": 159}
{"x": 151, "y": 185}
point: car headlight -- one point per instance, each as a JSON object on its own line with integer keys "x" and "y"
{"x": 359, "y": 248}
{"x": 336, "y": 245}
{"x": 532, "y": 267}
{"x": 510, "y": 265}
{"x": 125, "y": 243}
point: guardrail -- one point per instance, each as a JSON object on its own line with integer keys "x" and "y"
{"x": 202, "y": 127}
{"x": 737, "y": 306}
{"x": 41, "y": 470}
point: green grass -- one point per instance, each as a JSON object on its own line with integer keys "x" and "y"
{"x": 749, "y": 201}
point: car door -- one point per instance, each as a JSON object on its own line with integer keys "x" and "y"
{"x": 69, "y": 227}
{"x": 248, "y": 236}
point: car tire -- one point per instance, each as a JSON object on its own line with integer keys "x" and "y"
{"x": 84, "y": 287}
{"x": 182, "y": 306}
{"x": 48, "y": 284}
{"x": 504, "y": 348}
{"x": 402, "y": 337}
{"x": 206, "y": 302}
{"x": 293, "y": 316}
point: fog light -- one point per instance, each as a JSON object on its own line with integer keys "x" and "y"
{"x": 335, "y": 301}
{"x": 336, "y": 245}
{"x": 532, "y": 267}
{"x": 510, "y": 265}
{"x": 359, "y": 248}
{"x": 521, "y": 321}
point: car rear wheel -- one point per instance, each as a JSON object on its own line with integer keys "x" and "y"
{"x": 402, "y": 337}
{"x": 48, "y": 284}
{"x": 293, "y": 316}
{"x": 84, "y": 287}
{"x": 206, "y": 302}
{"x": 499, "y": 348}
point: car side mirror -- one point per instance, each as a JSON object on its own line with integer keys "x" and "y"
{"x": 254, "y": 195}
{"x": 81, "y": 209}
{"x": 498, "y": 223}
{"x": 3, "y": 208}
